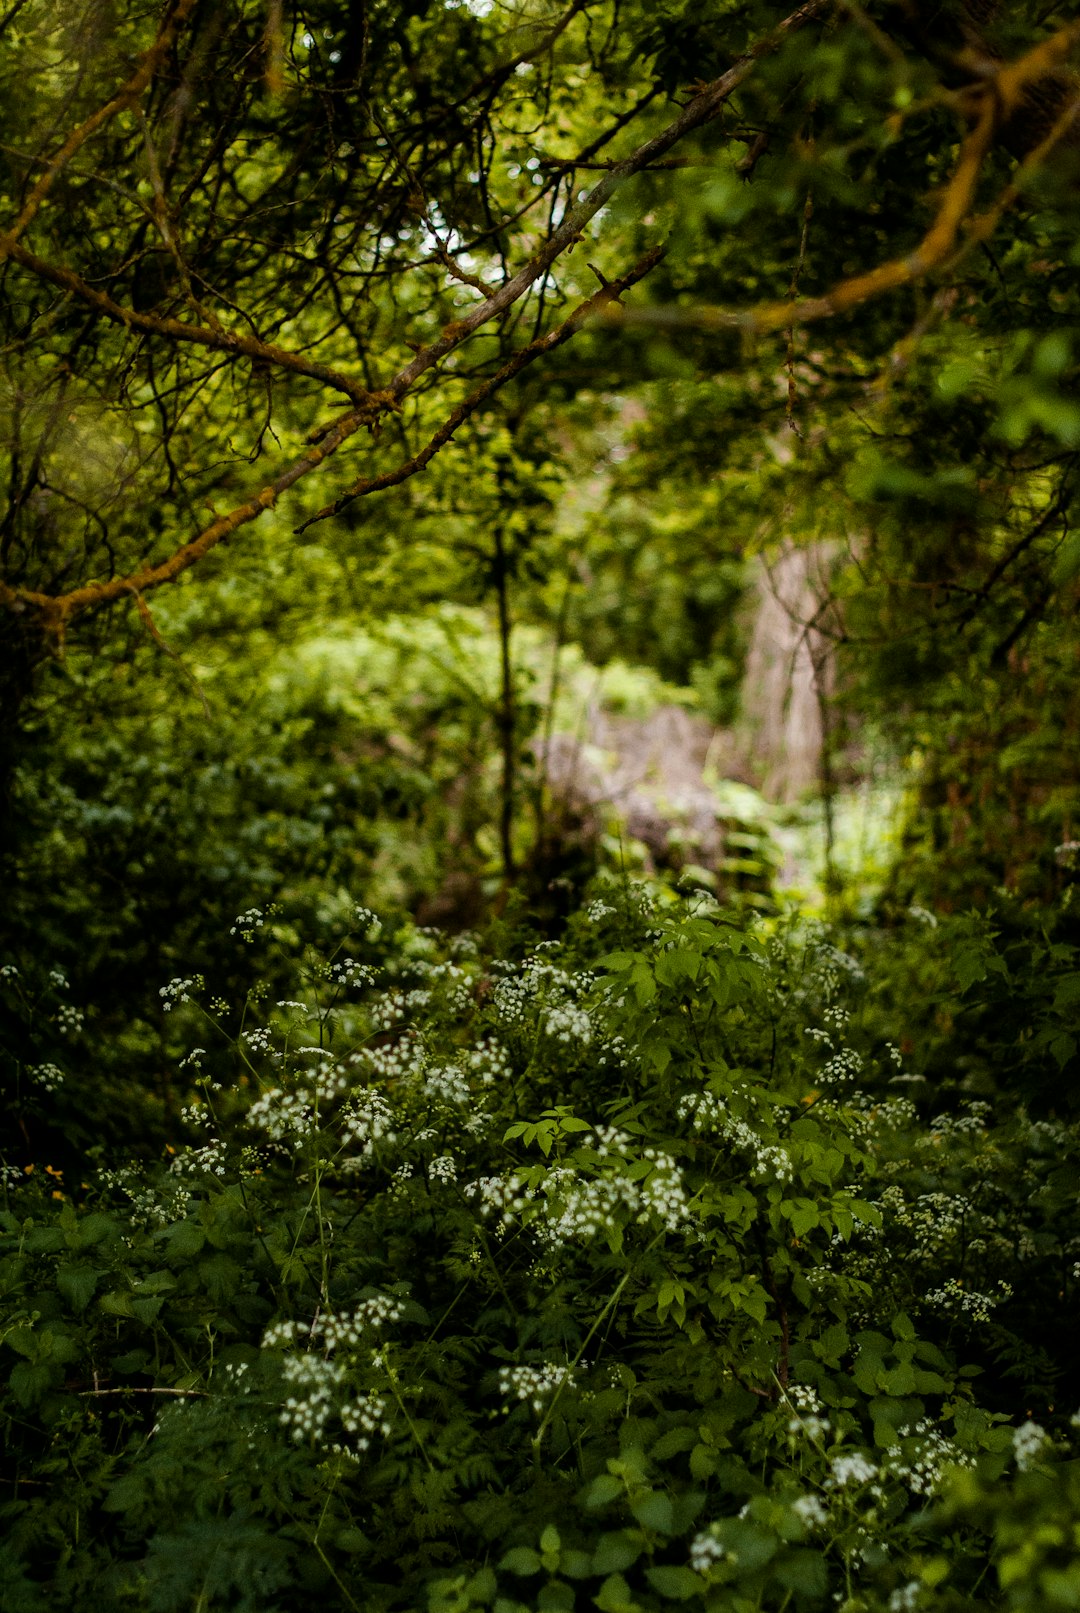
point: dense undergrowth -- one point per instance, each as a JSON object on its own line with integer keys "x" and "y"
{"x": 694, "y": 1258}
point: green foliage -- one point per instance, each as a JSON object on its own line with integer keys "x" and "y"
{"x": 604, "y": 1273}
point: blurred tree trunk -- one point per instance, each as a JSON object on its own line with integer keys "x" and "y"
{"x": 789, "y": 674}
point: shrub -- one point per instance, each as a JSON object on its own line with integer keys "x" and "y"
{"x": 541, "y": 1277}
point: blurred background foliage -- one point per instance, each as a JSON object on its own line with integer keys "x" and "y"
{"x": 368, "y": 706}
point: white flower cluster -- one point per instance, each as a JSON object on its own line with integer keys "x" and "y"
{"x": 9, "y": 971}
{"x": 811, "y": 1511}
{"x": 367, "y": 1119}
{"x": 327, "y": 1081}
{"x": 341, "y": 1330}
{"x": 438, "y": 971}
{"x": 313, "y": 1381}
{"x": 514, "y": 996}
{"x": 706, "y": 1552}
{"x": 934, "y": 1219}
{"x": 350, "y": 973}
{"x": 246, "y": 923}
{"x": 534, "y": 1384}
{"x": 972, "y": 1123}
{"x": 599, "y": 910}
{"x": 446, "y": 1084}
{"x": 283, "y": 1117}
{"x": 704, "y": 1109}
{"x": 565, "y": 1023}
{"x": 957, "y": 1300}
{"x": 337, "y": 1330}
{"x": 807, "y": 1420}
{"x": 614, "y": 1050}
{"x": 850, "y": 1468}
{"x": 194, "y": 1059}
{"x": 366, "y": 922}
{"x": 499, "y": 1195}
{"x": 58, "y": 979}
{"x": 1030, "y": 1443}
{"x": 770, "y": 1161}
{"x": 443, "y": 1169}
{"x": 922, "y": 1470}
{"x": 905, "y": 1599}
{"x": 895, "y": 1114}
{"x": 161, "y": 1205}
{"x": 393, "y": 1007}
{"x": 398, "y": 1061}
{"x": 69, "y": 1019}
{"x": 363, "y": 1419}
{"x": 46, "y": 1076}
{"x": 579, "y": 1209}
{"x": 663, "y": 1196}
{"x": 211, "y": 1157}
{"x": 489, "y": 1062}
{"x": 259, "y": 1041}
{"x": 846, "y": 1065}
{"x": 833, "y": 963}
{"x": 179, "y": 990}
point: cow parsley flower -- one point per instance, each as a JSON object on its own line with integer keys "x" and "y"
{"x": 1030, "y": 1442}
{"x": 534, "y": 1384}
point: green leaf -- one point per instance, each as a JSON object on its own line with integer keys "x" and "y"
{"x": 675, "y": 1584}
{"x": 555, "y": 1597}
{"x": 521, "y": 1560}
{"x": 603, "y": 1490}
{"x": 614, "y": 1596}
{"x": 77, "y": 1284}
{"x": 968, "y": 967}
{"x": 900, "y": 1380}
{"x": 186, "y": 1239}
{"x": 576, "y": 1564}
{"x": 615, "y": 1552}
{"x": 116, "y": 1303}
{"x": 654, "y": 1511}
{"x": 352, "y": 1540}
{"x": 803, "y": 1572}
{"x": 30, "y": 1380}
{"x": 673, "y": 1443}
{"x": 483, "y": 1586}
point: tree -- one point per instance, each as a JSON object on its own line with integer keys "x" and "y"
{"x": 269, "y": 209}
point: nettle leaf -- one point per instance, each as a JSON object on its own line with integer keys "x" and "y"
{"x": 803, "y": 1572}
{"x": 675, "y": 1584}
{"x": 77, "y": 1285}
{"x": 603, "y": 1490}
{"x": 521, "y": 1560}
{"x": 117, "y": 1303}
{"x": 614, "y": 1552}
{"x": 654, "y": 1511}
{"x": 185, "y": 1240}
{"x": 673, "y": 1443}
{"x": 555, "y": 1597}
{"x": 30, "y": 1380}
{"x": 576, "y": 1564}
{"x": 614, "y": 1596}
